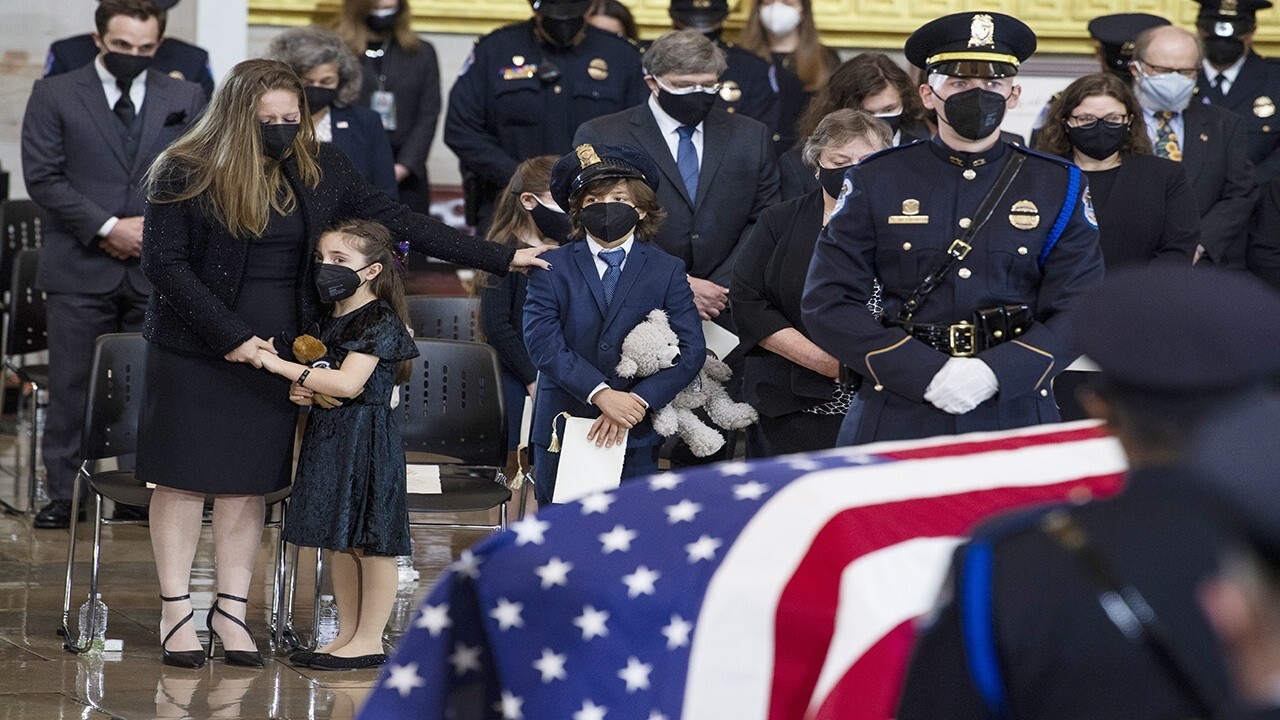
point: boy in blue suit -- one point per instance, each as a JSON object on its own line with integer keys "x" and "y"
{"x": 599, "y": 288}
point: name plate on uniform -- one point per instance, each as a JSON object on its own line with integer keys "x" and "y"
{"x": 520, "y": 72}
{"x": 908, "y": 219}
{"x": 584, "y": 468}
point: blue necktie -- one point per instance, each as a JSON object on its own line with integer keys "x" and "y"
{"x": 613, "y": 258}
{"x": 687, "y": 161}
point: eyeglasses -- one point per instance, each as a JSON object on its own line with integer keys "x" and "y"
{"x": 1085, "y": 122}
{"x": 1191, "y": 73}
{"x": 689, "y": 89}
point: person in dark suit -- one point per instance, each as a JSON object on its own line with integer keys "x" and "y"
{"x": 1235, "y": 78}
{"x": 600, "y": 287}
{"x": 88, "y": 137}
{"x": 794, "y": 384}
{"x": 1210, "y": 142}
{"x": 1024, "y": 626}
{"x": 331, "y": 77}
{"x": 176, "y": 58}
{"x": 719, "y": 168}
{"x": 1263, "y": 258}
{"x": 872, "y": 82}
{"x": 212, "y": 424}
{"x": 401, "y": 84}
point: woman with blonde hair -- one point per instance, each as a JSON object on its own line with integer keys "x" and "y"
{"x": 235, "y": 208}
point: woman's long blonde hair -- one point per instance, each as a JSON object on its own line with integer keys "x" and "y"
{"x": 812, "y": 63}
{"x": 351, "y": 28}
{"x": 220, "y": 159}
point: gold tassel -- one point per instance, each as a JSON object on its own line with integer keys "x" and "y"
{"x": 554, "y": 447}
{"x": 518, "y": 482}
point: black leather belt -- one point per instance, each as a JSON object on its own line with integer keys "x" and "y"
{"x": 958, "y": 340}
{"x": 989, "y": 327}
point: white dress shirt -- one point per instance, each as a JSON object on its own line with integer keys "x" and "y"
{"x": 601, "y": 266}
{"x": 137, "y": 93}
{"x": 1228, "y": 76}
{"x": 669, "y": 126}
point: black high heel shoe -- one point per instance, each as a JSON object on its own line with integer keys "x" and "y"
{"x": 190, "y": 659}
{"x": 241, "y": 658}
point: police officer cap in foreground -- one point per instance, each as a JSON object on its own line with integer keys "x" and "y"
{"x": 599, "y": 162}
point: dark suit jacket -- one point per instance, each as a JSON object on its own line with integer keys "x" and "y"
{"x": 74, "y": 161}
{"x": 576, "y": 340}
{"x": 1150, "y": 214}
{"x": 176, "y": 58}
{"x": 1259, "y": 80}
{"x": 358, "y": 132}
{"x": 738, "y": 179}
{"x": 502, "y": 311}
{"x": 1215, "y": 155}
{"x": 768, "y": 282}
{"x": 1264, "y": 244}
{"x": 414, "y": 79}
{"x": 197, "y": 266}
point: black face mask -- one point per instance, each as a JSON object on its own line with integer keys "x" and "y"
{"x": 608, "y": 222}
{"x": 1223, "y": 51}
{"x": 276, "y": 139}
{"x": 381, "y": 23}
{"x": 337, "y": 282}
{"x": 974, "y": 114}
{"x": 553, "y": 225}
{"x": 319, "y": 98}
{"x": 689, "y": 109}
{"x": 562, "y": 31}
{"x": 893, "y": 121}
{"x": 1098, "y": 142}
{"x": 126, "y": 67}
{"x": 832, "y": 179}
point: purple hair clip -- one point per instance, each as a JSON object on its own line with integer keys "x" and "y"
{"x": 401, "y": 254}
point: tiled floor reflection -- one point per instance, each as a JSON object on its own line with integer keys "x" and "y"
{"x": 38, "y": 679}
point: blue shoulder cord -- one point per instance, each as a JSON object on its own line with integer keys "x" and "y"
{"x": 977, "y": 625}
{"x": 1068, "y": 207}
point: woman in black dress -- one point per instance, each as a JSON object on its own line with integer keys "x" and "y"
{"x": 236, "y": 206}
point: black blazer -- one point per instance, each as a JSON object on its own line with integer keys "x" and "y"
{"x": 1215, "y": 155}
{"x": 768, "y": 282}
{"x": 414, "y": 79}
{"x": 738, "y": 179}
{"x": 502, "y": 312}
{"x": 176, "y": 58}
{"x": 1264, "y": 245}
{"x": 357, "y": 131}
{"x": 1259, "y": 80}
{"x": 1150, "y": 214}
{"x": 196, "y": 266}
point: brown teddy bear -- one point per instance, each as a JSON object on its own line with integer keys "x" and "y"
{"x": 307, "y": 349}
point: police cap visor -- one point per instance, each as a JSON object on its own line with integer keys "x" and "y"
{"x": 561, "y": 9}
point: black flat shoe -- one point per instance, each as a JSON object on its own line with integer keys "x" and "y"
{"x": 190, "y": 659}
{"x": 323, "y": 661}
{"x": 239, "y": 658}
{"x": 56, "y": 516}
{"x": 303, "y": 658}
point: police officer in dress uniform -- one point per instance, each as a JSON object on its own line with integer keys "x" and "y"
{"x": 1020, "y": 629}
{"x": 972, "y": 345}
{"x": 527, "y": 87}
{"x": 749, "y": 87}
{"x": 1114, "y": 35}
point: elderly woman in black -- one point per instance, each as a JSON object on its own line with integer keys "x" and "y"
{"x": 792, "y": 382}
{"x": 236, "y": 206}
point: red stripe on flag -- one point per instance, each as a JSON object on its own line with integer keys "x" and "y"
{"x": 1004, "y": 443}
{"x": 869, "y": 689}
{"x": 807, "y": 606}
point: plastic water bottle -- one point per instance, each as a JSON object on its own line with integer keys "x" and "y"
{"x": 99, "y": 639}
{"x": 327, "y": 627}
{"x": 404, "y": 565}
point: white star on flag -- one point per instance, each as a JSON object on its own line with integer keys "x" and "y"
{"x": 684, "y": 511}
{"x": 735, "y": 469}
{"x": 619, "y": 538}
{"x": 590, "y": 711}
{"x": 641, "y": 582}
{"x": 468, "y": 564}
{"x": 666, "y": 481}
{"x": 551, "y": 665}
{"x": 530, "y": 530}
{"x": 677, "y": 632}
{"x": 510, "y": 706}
{"x": 597, "y": 503}
{"x": 804, "y": 464}
{"x": 507, "y": 614}
{"x": 434, "y": 619}
{"x": 592, "y": 622}
{"x": 750, "y": 490}
{"x": 465, "y": 658}
{"x": 704, "y": 549}
{"x": 404, "y": 678}
{"x": 635, "y": 674}
{"x": 655, "y": 715}
{"x": 555, "y": 572}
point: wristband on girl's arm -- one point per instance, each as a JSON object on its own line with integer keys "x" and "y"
{"x": 303, "y": 377}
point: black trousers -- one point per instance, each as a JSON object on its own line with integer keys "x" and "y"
{"x": 75, "y": 322}
{"x": 792, "y": 433}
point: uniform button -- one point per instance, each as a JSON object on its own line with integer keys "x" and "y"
{"x": 693, "y": 236}
{"x": 1266, "y": 128}
{"x": 776, "y": 137}
{"x": 1022, "y": 251}
{"x": 557, "y": 89}
{"x": 965, "y": 273}
{"x": 906, "y": 246}
{"x": 969, "y": 174}
{"x": 604, "y": 346}
{"x": 879, "y": 388}
{"x": 965, "y": 223}
{"x": 1044, "y": 393}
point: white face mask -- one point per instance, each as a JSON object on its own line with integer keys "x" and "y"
{"x": 780, "y": 18}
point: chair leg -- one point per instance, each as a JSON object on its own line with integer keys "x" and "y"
{"x": 34, "y": 446}
{"x": 524, "y": 499}
{"x": 502, "y": 516}
{"x": 315, "y": 601}
{"x": 278, "y": 584}
{"x": 69, "y": 640}
{"x": 93, "y": 572}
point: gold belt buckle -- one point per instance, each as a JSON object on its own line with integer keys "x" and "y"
{"x": 960, "y": 249}
{"x": 961, "y": 340}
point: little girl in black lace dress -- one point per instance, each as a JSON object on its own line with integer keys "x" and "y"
{"x": 349, "y": 492}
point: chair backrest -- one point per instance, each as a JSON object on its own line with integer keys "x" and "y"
{"x": 28, "y": 331}
{"x": 115, "y": 397}
{"x": 452, "y": 404}
{"x": 21, "y": 228}
{"x": 445, "y": 318}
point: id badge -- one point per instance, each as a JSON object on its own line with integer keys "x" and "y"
{"x": 384, "y": 103}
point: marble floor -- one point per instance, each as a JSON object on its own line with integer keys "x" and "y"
{"x": 38, "y": 679}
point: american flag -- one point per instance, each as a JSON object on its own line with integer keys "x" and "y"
{"x": 782, "y": 589}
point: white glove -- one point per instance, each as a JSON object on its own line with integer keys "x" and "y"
{"x": 961, "y": 385}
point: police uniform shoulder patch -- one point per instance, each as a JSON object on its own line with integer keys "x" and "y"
{"x": 466, "y": 65}
{"x": 845, "y": 188}
{"x": 1090, "y": 216}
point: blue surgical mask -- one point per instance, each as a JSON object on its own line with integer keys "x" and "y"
{"x": 1170, "y": 92}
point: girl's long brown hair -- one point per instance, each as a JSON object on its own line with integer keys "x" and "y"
{"x": 857, "y": 79}
{"x": 1053, "y": 136}
{"x": 220, "y": 158}
{"x": 811, "y": 58}
{"x": 375, "y": 242}
{"x": 510, "y": 220}
{"x": 351, "y": 28}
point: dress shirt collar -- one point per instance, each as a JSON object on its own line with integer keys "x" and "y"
{"x": 109, "y": 80}
{"x": 1230, "y": 74}
{"x": 596, "y": 248}
{"x": 667, "y": 124}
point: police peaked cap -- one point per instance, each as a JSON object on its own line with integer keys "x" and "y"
{"x": 588, "y": 163}
{"x": 1116, "y": 33}
{"x": 971, "y": 44}
{"x": 1228, "y": 18}
{"x": 560, "y": 9}
{"x": 699, "y": 12}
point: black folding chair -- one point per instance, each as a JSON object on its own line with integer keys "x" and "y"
{"x": 25, "y": 332}
{"x": 445, "y": 318}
